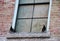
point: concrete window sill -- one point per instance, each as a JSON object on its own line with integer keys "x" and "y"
{"x": 28, "y": 35}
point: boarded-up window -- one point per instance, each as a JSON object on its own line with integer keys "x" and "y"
{"x": 32, "y": 15}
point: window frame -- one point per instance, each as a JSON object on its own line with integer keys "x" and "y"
{"x": 15, "y": 15}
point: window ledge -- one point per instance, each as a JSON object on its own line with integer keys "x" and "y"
{"x": 28, "y": 35}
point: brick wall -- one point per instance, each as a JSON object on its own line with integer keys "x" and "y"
{"x": 6, "y": 14}
{"x": 55, "y": 18}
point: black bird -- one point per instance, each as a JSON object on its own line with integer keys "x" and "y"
{"x": 12, "y": 30}
{"x": 44, "y": 28}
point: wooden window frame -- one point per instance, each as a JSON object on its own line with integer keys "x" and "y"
{"x": 46, "y": 34}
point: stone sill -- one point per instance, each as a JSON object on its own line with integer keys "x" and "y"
{"x": 28, "y": 35}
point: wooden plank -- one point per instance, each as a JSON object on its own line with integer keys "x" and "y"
{"x": 37, "y": 24}
{"x": 25, "y": 11}
{"x": 41, "y": 10}
{"x": 23, "y": 25}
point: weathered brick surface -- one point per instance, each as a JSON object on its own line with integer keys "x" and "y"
{"x": 55, "y": 18}
{"x": 3, "y": 39}
{"x": 6, "y": 14}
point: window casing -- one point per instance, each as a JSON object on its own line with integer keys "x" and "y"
{"x": 33, "y": 6}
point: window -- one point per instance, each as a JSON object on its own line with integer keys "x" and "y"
{"x": 31, "y": 16}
